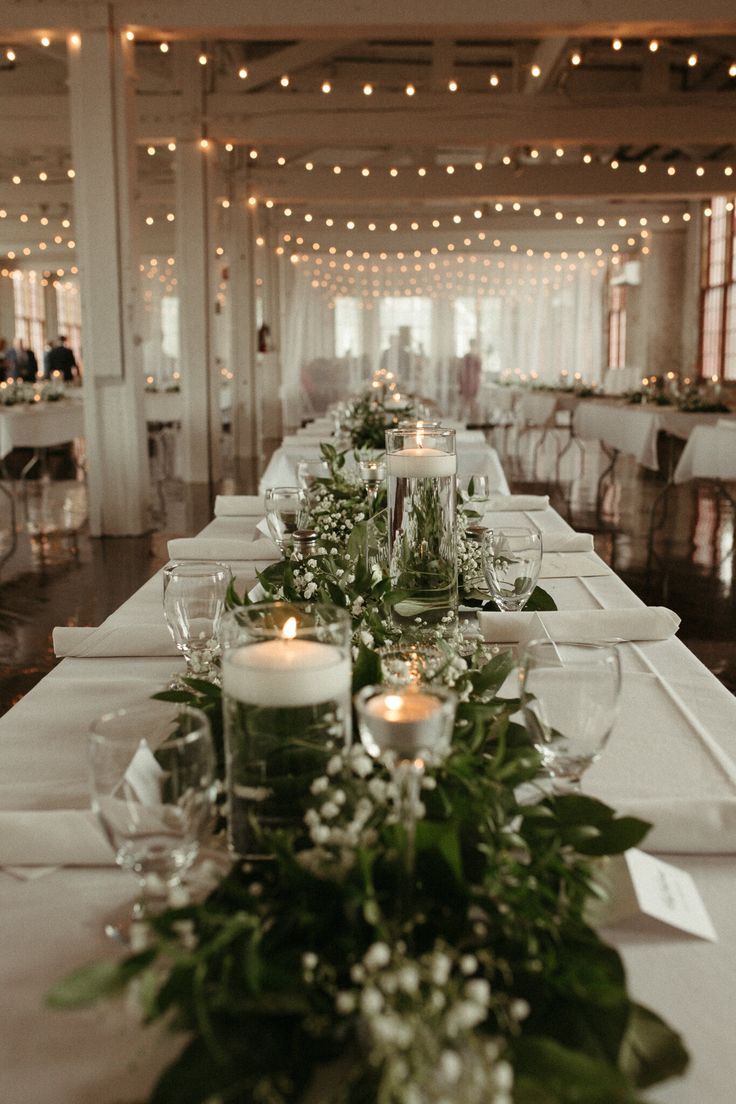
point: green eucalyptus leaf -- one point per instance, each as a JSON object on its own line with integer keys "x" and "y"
{"x": 100, "y": 979}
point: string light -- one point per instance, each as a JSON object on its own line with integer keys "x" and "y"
{"x": 700, "y": 171}
{"x": 253, "y": 154}
{"x": 229, "y": 147}
{"x": 559, "y": 152}
{"x": 614, "y": 164}
{"x": 43, "y": 176}
{"x": 151, "y": 151}
{"x": 576, "y": 58}
{"x": 45, "y": 41}
{"x": 284, "y": 82}
{"x": 204, "y": 143}
{"x": 202, "y": 59}
{"x": 367, "y": 89}
{"x": 616, "y": 44}
{"x": 326, "y": 87}
{"x": 16, "y": 179}
{"x": 587, "y": 158}
{"x": 493, "y": 80}
{"x": 410, "y": 90}
{"x": 164, "y": 47}
{"x": 309, "y": 166}
{"x": 243, "y": 72}
{"x": 535, "y": 71}
{"x": 671, "y": 170}
{"x": 75, "y": 40}
{"x": 692, "y": 60}
{"x": 10, "y": 55}
{"x": 653, "y": 45}
{"x": 452, "y": 86}
{"x": 732, "y": 69}
{"x": 130, "y": 35}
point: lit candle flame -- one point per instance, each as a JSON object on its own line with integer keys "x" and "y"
{"x": 394, "y": 702}
{"x": 289, "y": 630}
{"x": 420, "y": 438}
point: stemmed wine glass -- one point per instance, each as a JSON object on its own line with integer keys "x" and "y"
{"x": 407, "y": 728}
{"x": 194, "y": 601}
{"x": 512, "y": 559}
{"x": 373, "y": 476}
{"x": 152, "y": 777}
{"x": 308, "y": 472}
{"x": 286, "y": 511}
{"x": 569, "y": 698}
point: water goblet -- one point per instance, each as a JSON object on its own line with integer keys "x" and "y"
{"x": 152, "y": 777}
{"x": 512, "y": 559}
{"x": 408, "y": 728}
{"x": 194, "y": 601}
{"x": 309, "y": 472}
{"x": 569, "y": 698}
{"x": 287, "y": 509}
{"x": 477, "y": 488}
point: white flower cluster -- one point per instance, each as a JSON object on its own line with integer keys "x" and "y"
{"x": 420, "y": 1017}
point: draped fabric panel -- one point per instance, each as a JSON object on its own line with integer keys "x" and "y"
{"x": 547, "y": 318}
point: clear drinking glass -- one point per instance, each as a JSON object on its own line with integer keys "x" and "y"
{"x": 151, "y": 774}
{"x": 512, "y": 559}
{"x": 287, "y": 509}
{"x": 194, "y": 602}
{"x": 477, "y": 488}
{"x": 569, "y": 697}
{"x": 309, "y": 471}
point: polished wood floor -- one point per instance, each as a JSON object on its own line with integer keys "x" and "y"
{"x": 674, "y": 548}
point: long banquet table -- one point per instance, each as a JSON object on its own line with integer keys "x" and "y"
{"x": 40, "y": 425}
{"x": 676, "y": 742}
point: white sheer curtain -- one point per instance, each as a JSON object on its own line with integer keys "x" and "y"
{"x": 531, "y": 316}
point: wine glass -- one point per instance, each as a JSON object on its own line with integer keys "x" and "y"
{"x": 194, "y": 601}
{"x": 152, "y": 776}
{"x": 569, "y": 698}
{"x": 408, "y": 728}
{"x": 286, "y": 511}
{"x": 512, "y": 559}
{"x": 477, "y": 488}
{"x": 308, "y": 472}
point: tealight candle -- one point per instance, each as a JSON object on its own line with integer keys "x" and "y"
{"x": 413, "y": 725}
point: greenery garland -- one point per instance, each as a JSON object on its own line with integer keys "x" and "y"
{"x": 306, "y": 979}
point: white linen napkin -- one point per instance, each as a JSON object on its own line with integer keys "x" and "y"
{"x": 213, "y": 548}
{"x": 53, "y": 837}
{"x": 685, "y": 826}
{"x": 121, "y": 640}
{"x": 645, "y": 623}
{"x": 726, "y": 423}
{"x": 238, "y": 506}
{"x": 567, "y": 542}
{"x": 498, "y": 503}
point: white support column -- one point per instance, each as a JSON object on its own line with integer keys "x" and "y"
{"x": 200, "y": 426}
{"x": 247, "y": 427}
{"x": 270, "y": 363}
{"x": 655, "y": 343}
{"x": 103, "y": 151}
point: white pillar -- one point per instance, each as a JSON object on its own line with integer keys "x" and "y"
{"x": 104, "y": 155}
{"x": 654, "y": 338}
{"x": 200, "y": 425}
{"x": 247, "y": 428}
{"x": 270, "y": 368}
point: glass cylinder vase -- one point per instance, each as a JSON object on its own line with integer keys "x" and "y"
{"x": 286, "y": 682}
{"x": 421, "y": 466}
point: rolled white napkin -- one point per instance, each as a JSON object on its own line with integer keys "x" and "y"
{"x": 587, "y": 626}
{"x": 238, "y": 505}
{"x": 690, "y": 825}
{"x": 53, "y": 837}
{"x": 225, "y": 548}
{"x": 123, "y": 640}
{"x": 726, "y": 423}
{"x": 498, "y": 503}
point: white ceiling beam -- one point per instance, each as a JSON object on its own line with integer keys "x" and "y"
{"x": 547, "y": 56}
{"x": 470, "y": 119}
{"x": 289, "y": 61}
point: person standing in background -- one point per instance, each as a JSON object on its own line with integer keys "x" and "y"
{"x": 61, "y": 359}
{"x": 22, "y": 363}
{"x": 469, "y": 382}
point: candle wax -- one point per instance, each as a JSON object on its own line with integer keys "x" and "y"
{"x": 280, "y": 673}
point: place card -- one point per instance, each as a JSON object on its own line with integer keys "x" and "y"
{"x": 639, "y": 884}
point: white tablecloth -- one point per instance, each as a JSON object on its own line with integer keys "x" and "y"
{"x": 162, "y": 406}
{"x": 475, "y": 457}
{"x": 710, "y": 453}
{"x": 633, "y": 430}
{"x": 40, "y": 425}
{"x": 676, "y": 740}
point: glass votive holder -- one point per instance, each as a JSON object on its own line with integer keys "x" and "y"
{"x": 286, "y": 510}
{"x": 286, "y": 682}
{"x": 373, "y": 475}
{"x": 412, "y": 724}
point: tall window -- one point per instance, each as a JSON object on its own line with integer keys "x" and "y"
{"x": 30, "y": 317}
{"x": 69, "y": 318}
{"x": 616, "y": 326}
{"x": 718, "y": 291}
{"x": 407, "y": 316}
